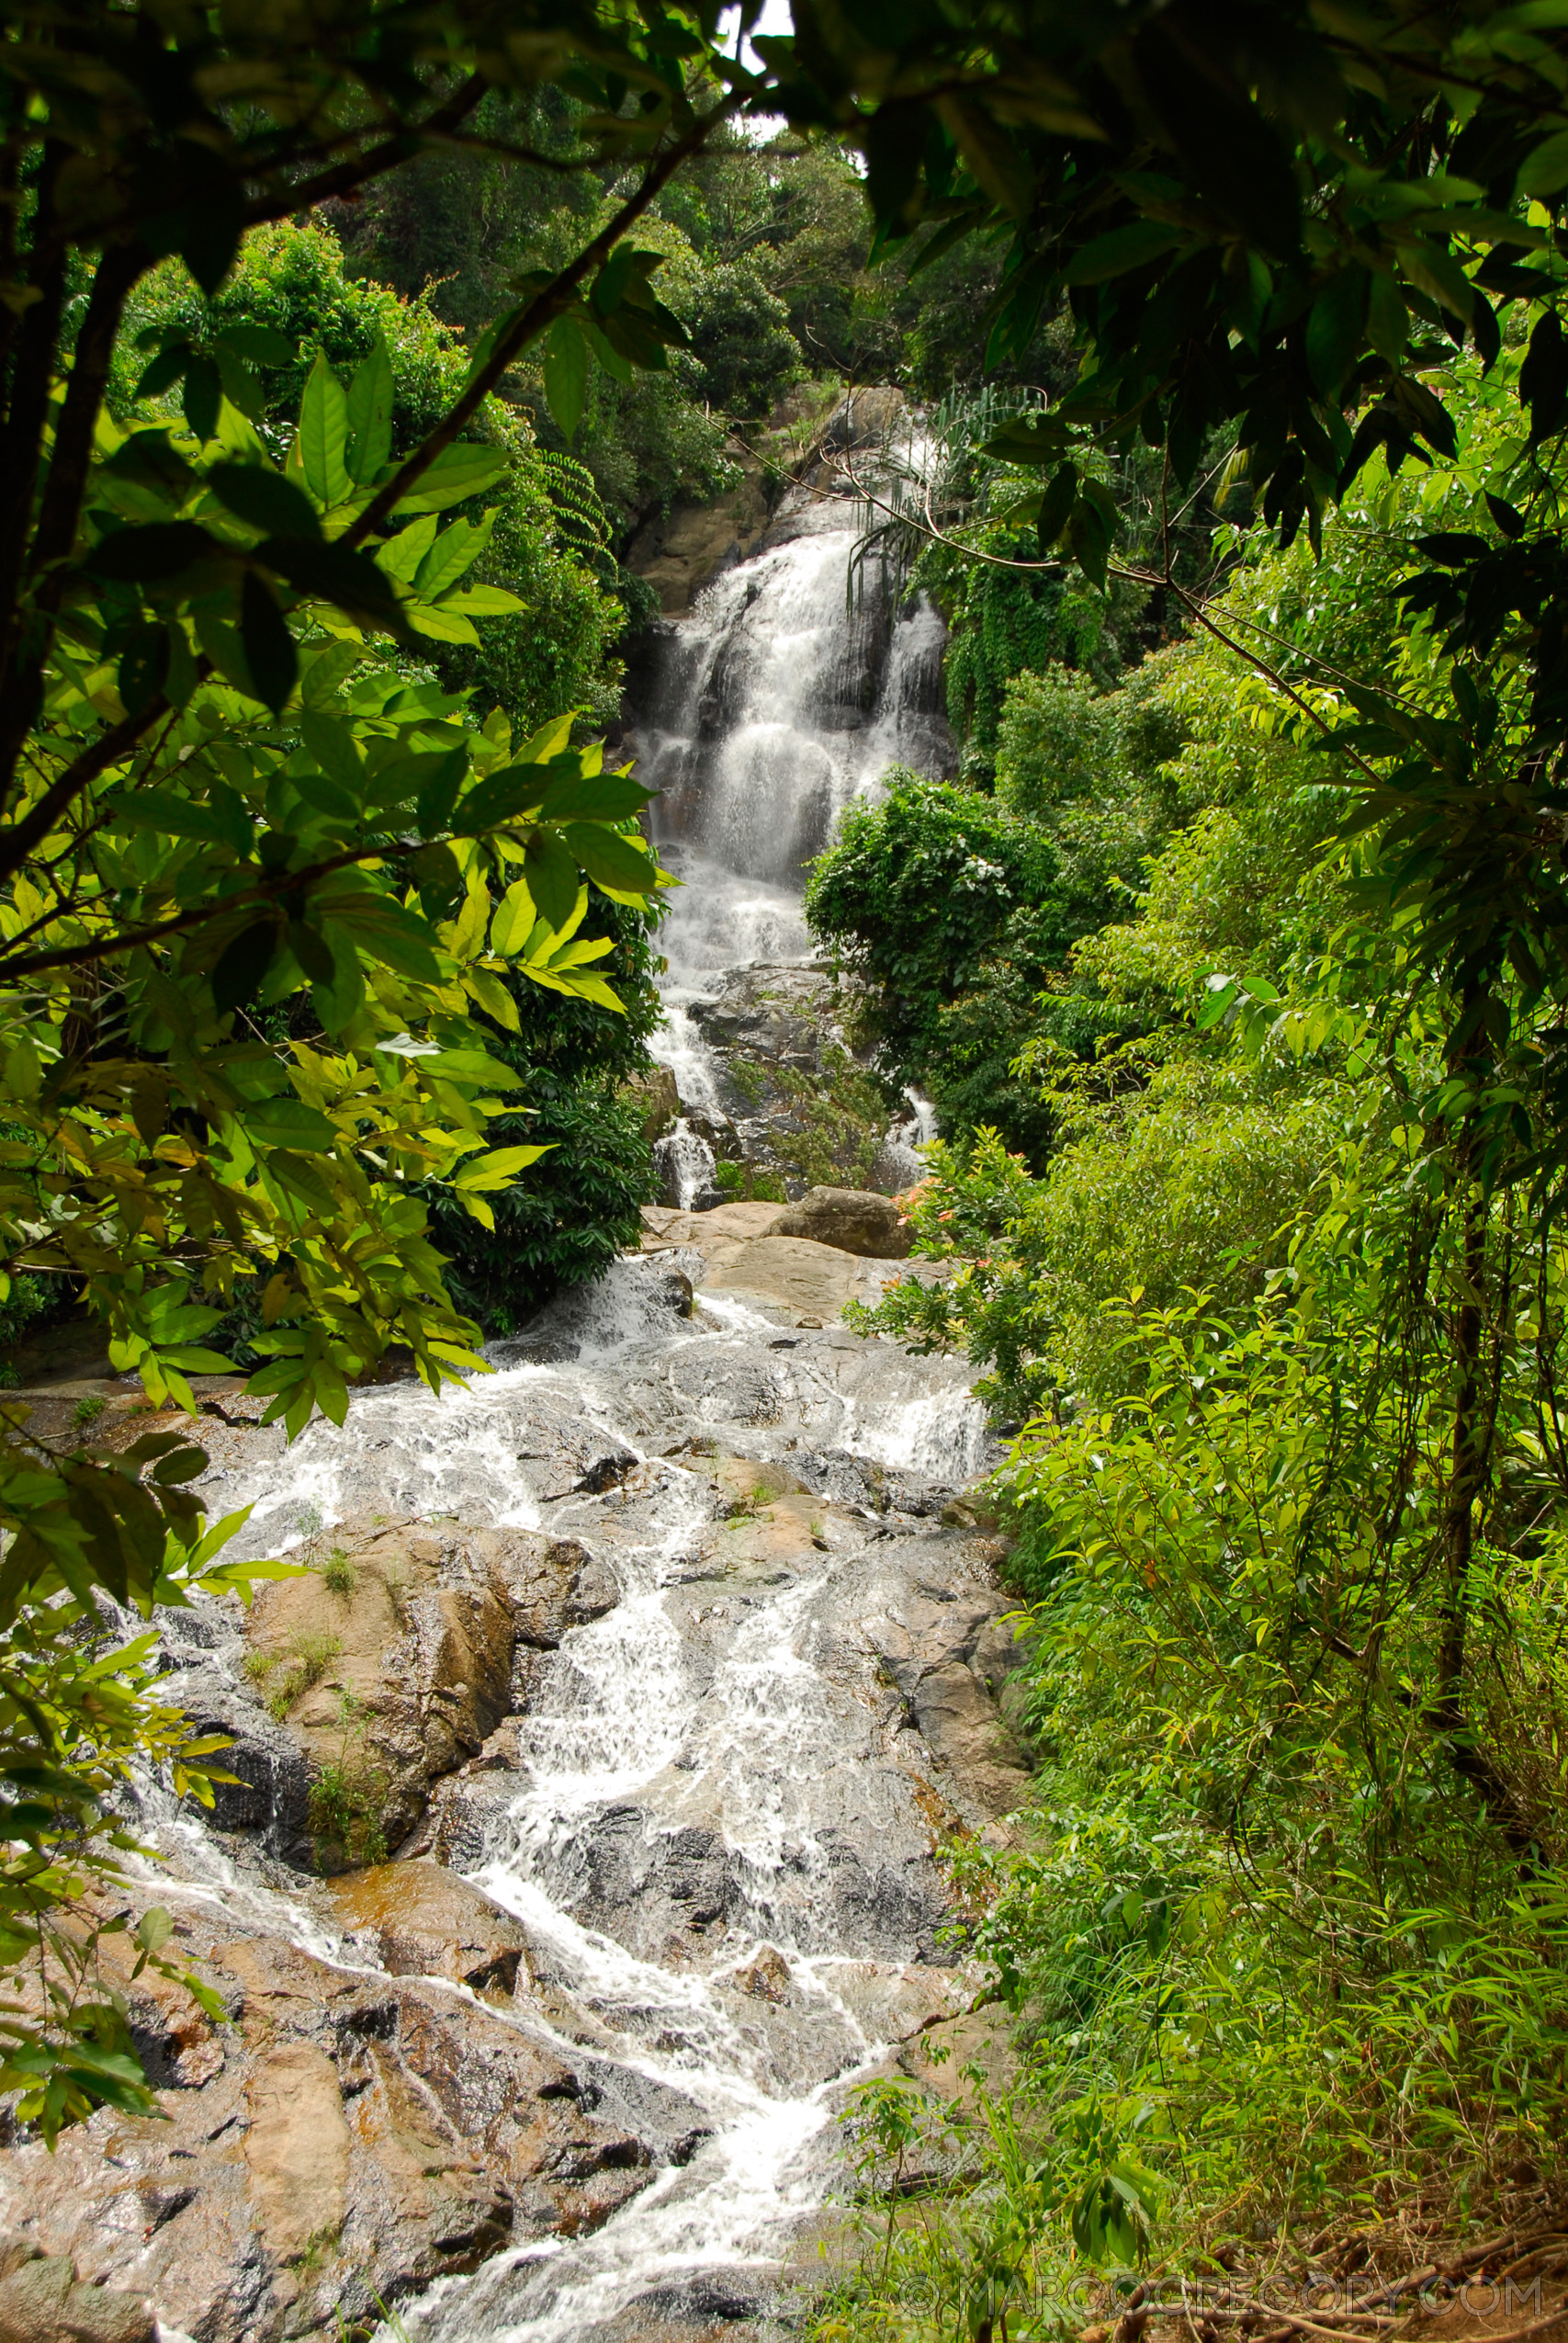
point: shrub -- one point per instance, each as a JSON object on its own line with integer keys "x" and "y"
{"x": 743, "y": 355}
{"x": 338, "y": 1572}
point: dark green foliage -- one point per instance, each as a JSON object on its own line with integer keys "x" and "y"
{"x": 563, "y": 1222}
{"x": 29, "y": 1300}
{"x": 1002, "y": 621}
{"x": 954, "y": 912}
{"x": 743, "y": 353}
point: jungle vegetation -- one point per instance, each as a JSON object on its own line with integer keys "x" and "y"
{"x": 1234, "y": 953}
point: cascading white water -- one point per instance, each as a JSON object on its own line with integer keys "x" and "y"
{"x": 778, "y": 701}
{"x": 742, "y": 1716}
{"x": 753, "y": 1720}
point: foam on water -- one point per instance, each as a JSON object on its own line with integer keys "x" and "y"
{"x": 779, "y": 704}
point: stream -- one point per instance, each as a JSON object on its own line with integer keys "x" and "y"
{"x": 719, "y": 1827}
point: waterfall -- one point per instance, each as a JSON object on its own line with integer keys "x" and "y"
{"x": 717, "y": 1828}
{"x": 784, "y": 696}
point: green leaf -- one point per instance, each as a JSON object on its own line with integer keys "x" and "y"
{"x": 1543, "y": 378}
{"x": 330, "y": 740}
{"x": 223, "y": 819}
{"x": 483, "y": 602}
{"x": 1029, "y": 439}
{"x": 612, "y": 862}
{"x": 456, "y": 550}
{"x": 1388, "y": 320}
{"x": 264, "y": 499}
{"x": 1119, "y": 252}
{"x": 438, "y": 792}
{"x": 566, "y": 374}
{"x": 438, "y": 625}
{"x": 240, "y": 385}
{"x": 202, "y": 397}
{"x": 552, "y": 878}
{"x": 163, "y": 371}
{"x": 1544, "y": 171}
{"x": 452, "y": 478}
{"x": 242, "y": 965}
{"x": 475, "y": 1068}
{"x": 1054, "y": 506}
{"x": 288, "y": 1122}
{"x": 371, "y": 397}
{"x": 259, "y": 345}
{"x": 514, "y": 918}
{"x": 301, "y": 1178}
{"x": 497, "y": 1170}
{"x": 269, "y": 647}
{"x": 593, "y": 796}
{"x": 146, "y": 556}
{"x": 1334, "y": 328}
{"x": 516, "y": 789}
{"x": 323, "y": 436}
{"x": 143, "y": 667}
{"x": 350, "y": 581}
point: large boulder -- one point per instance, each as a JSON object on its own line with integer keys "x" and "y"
{"x": 419, "y": 1919}
{"x": 853, "y": 1220}
{"x": 43, "y": 2301}
{"x": 390, "y": 1663}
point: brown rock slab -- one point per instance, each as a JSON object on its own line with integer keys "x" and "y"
{"x": 297, "y": 2149}
{"x": 663, "y": 1225}
{"x": 400, "y": 1672}
{"x": 363, "y": 2137}
{"x": 420, "y": 1919}
{"x": 790, "y": 1274}
{"x": 853, "y": 1219}
{"x": 41, "y": 2301}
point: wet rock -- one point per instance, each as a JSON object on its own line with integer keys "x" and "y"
{"x": 677, "y": 552}
{"x": 766, "y": 1975}
{"x": 270, "y": 1792}
{"x": 43, "y": 2302}
{"x": 297, "y": 2149}
{"x": 565, "y": 1585}
{"x": 388, "y": 1681}
{"x": 417, "y": 1918}
{"x": 664, "y": 1228}
{"x": 792, "y": 1274}
{"x": 784, "y": 1013}
{"x": 397, "y": 1673}
{"x": 363, "y": 2137}
{"x": 950, "y": 1657}
{"x": 851, "y": 1219}
{"x": 656, "y": 1094}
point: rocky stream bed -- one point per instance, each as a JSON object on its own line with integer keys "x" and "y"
{"x": 585, "y": 1844}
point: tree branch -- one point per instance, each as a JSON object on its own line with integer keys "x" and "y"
{"x": 18, "y": 839}
{"x": 21, "y": 447}
{"x": 105, "y": 948}
{"x": 70, "y": 461}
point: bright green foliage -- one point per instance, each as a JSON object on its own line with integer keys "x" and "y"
{"x": 554, "y": 650}
{"x": 259, "y": 866}
{"x": 571, "y": 1059}
{"x": 78, "y": 1719}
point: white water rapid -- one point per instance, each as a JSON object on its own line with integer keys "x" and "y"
{"x": 779, "y": 700}
{"x": 718, "y": 1823}
{"x": 716, "y": 1782}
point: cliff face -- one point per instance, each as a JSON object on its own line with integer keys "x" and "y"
{"x": 679, "y": 551}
